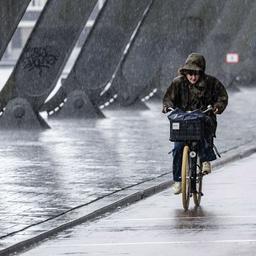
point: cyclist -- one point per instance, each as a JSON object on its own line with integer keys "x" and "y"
{"x": 194, "y": 89}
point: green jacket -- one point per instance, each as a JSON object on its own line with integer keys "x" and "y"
{"x": 208, "y": 91}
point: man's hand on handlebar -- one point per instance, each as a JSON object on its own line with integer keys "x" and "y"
{"x": 167, "y": 109}
{"x": 215, "y": 111}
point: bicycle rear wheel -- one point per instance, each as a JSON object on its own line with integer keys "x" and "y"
{"x": 185, "y": 178}
{"x": 199, "y": 184}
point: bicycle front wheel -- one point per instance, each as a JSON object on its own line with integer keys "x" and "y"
{"x": 199, "y": 183}
{"x": 185, "y": 178}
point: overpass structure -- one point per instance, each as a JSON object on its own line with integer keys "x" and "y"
{"x": 11, "y": 12}
{"x": 98, "y": 59}
{"x": 133, "y": 48}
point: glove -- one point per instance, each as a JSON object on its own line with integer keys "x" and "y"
{"x": 165, "y": 110}
{"x": 216, "y": 109}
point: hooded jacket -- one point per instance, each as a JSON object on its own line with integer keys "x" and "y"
{"x": 207, "y": 91}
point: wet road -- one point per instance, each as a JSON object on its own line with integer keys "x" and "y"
{"x": 224, "y": 225}
{"x": 44, "y": 174}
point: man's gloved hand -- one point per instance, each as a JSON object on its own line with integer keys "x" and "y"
{"x": 165, "y": 110}
{"x": 216, "y": 109}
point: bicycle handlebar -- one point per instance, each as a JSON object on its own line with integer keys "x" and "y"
{"x": 209, "y": 108}
{"x": 170, "y": 109}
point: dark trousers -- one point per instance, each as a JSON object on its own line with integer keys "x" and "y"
{"x": 206, "y": 153}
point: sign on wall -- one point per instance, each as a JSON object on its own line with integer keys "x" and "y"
{"x": 232, "y": 58}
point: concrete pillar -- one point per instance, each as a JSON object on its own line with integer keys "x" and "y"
{"x": 20, "y": 115}
{"x": 102, "y": 50}
{"x": 47, "y": 51}
{"x": 77, "y": 105}
{"x": 244, "y": 43}
{"x": 11, "y": 12}
{"x": 141, "y": 65}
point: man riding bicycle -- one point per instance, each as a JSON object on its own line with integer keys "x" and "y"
{"x": 191, "y": 90}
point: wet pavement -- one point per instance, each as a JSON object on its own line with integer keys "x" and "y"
{"x": 224, "y": 225}
{"x": 45, "y": 174}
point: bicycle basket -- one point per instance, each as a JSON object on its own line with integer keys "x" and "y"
{"x": 186, "y": 126}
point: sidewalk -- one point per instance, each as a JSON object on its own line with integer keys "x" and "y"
{"x": 54, "y": 177}
{"x": 224, "y": 225}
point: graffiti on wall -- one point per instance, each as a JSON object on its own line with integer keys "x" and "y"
{"x": 40, "y": 58}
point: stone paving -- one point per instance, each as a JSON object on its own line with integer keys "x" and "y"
{"x": 44, "y": 174}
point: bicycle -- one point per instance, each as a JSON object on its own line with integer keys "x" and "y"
{"x": 189, "y": 128}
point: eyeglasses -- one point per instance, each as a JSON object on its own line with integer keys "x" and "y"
{"x": 193, "y": 72}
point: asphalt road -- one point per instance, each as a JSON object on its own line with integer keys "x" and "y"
{"x": 225, "y": 224}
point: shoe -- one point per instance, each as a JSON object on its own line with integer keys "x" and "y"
{"x": 206, "y": 169}
{"x": 176, "y": 187}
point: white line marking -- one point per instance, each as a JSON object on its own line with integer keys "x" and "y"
{"x": 185, "y": 218}
{"x": 161, "y": 243}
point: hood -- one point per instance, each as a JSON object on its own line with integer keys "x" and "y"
{"x": 194, "y": 61}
